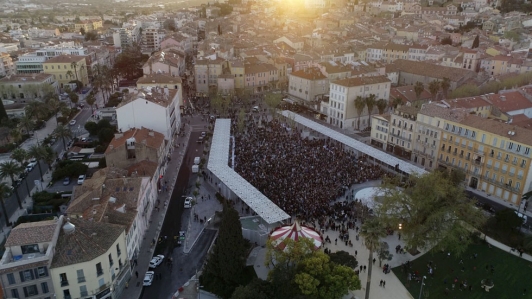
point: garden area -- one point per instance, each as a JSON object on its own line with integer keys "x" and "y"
{"x": 510, "y": 274}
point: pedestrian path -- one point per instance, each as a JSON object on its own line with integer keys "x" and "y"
{"x": 134, "y": 289}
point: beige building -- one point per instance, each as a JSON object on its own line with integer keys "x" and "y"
{"x": 90, "y": 260}
{"x": 307, "y": 86}
{"x": 26, "y": 87}
{"x": 67, "y": 68}
{"x": 379, "y": 130}
{"x": 207, "y": 71}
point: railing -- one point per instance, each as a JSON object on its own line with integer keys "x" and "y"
{"x": 81, "y": 279}
{"x": 488, "y": 166}
{"x": 99, "y": 273}
{"x": 514, "y": 162}
{"x": 64, "y": 283}
{"x": 519, "y": 177}
{"x": 511, "y": 174}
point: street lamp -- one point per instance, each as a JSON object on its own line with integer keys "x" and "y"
{"x": 421, "y": 291}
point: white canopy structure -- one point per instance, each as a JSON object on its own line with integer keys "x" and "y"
{"x": 353, "y": 143}
{"x": 294, "y": 232}
{"x": 218, "y": 165}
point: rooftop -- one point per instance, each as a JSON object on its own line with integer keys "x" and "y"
{"x": 88, "y": 241}
{"x": 432, "y": 70}
{"x": 156, "y": 78}
{"x": 25, "y": 78}
{"x": 500, "y": 128}
{"x": 309, "y": 74}
{"x": 32, "y": 233}
{"x": 361, "y": 81}
{"x": 157, "y": 95}
{"x": 65, "y": 59}
{"x": 145, "y": 136}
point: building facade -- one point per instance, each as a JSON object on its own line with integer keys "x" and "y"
{"x": 66, "y": 68}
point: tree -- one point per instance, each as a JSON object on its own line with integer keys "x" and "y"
{"x": 20, "y": 155}
{"x": 91, "y": 100}
{"x": 3, "y": 113}
{"x": 91, "y": 35}
{"x": 466, "y": 90}
{"x": 11, "y": 170}
{"x": 370, "y": 103}
{"x": 513, "y": 36}
{"x": 446, "y": 41}
{"x": 82, "y": 31}
{"x": 70, "y": 74}
{"x": 418, "y": 89}
{"x": 256, "y": 289}
{"x": 395, "y": 102}
{"x": 476, "y": 42}
{"x": 360, "y": 104}
{"x": 63, "y": 132}
{"x": 508, "y": 219}
{"x": 273, "y": 100}
{"x": 74, "y": 65}
{"x": 318, "y": 278}
{"x": 223, "y": 272}
{"x": 344, "y": 258}
{"x": 35, "y": 110}
{"x": 383, "y": 253}
{"x": 381, "y": 105}
{"x": 445, "y": 84}
{"x": 372, "y": 230}
{"x": 55, "y": 106}
{"x": 38, "y": 152}
{"x": 26, "y": 123}
{"x": 74, "y": 99}
{"x": 434, "y": 87}
{"x": 432, "y": 210}
{"x": 5, "y": 192}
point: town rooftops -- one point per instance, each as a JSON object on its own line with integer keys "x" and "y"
{"x": 432, "y": 70}
{"x": 89, "y": 240}
{"x": 142, "y": 136}
{"x": 309, "y": 74}
{"x": 64, "y": 59}
{"x": 500, "y": 128}
{"x": 361, "y": 81}
{"x": 32, "y": 233}
{"x": 442, "y": 111}
{"x": 157, "y": 95}
{"x": 508, "y": 101}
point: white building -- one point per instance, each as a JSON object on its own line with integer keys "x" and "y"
{"x": 151, "y": 40}
{"x": 153, "y": 108}
{"x": 341, "y": 109}
{"x": 127, "y": 35}
{"x": 379, "y": 130}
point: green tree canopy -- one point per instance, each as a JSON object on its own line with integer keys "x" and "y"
{"x": 433, "y": 211}
{"x": 344, "y": 258}
{"x": 223, "y": 272}
{"x": 508, "y": 219}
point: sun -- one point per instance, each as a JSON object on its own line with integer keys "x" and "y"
{"x": 288, "y": 5}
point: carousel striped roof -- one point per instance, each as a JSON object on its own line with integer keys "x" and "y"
{"x": 294, "y": 232}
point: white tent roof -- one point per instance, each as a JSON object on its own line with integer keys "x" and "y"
{"x": 218, "y": 165}
{"x": 353, "y": 143}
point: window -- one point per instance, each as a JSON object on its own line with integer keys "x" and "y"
{"x": 81, "y": 276}
{"x": 33, "y": 248}
{"x": 83, "y": 291}
{"x": 42, "y": 272}
{"x": 99, "y": 270}
{"x": 44, "y": 287}
{"x": 11, "y": 278}
{"x": 31, "y": 291}
{"x": 110, "y": 260}
{"x": 63, "y": 279}
{"x": 26, "y": 275}
{"x": 14, "y": 293}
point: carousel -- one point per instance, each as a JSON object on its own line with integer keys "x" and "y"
{"x": 295, "y": 232}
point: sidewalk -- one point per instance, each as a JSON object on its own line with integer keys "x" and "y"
{"x": 156, "y": 219}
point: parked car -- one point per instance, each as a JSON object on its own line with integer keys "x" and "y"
{"x": 156, "y": 261}
{"x": 200, "y": 139}
{"x": 66, "y": 181}
{"x": 203, "y": 134}
{"x": 188, "y": 203}
{"x": 72, "y": 122}
{"x": 30, "y": 166}
{"x": 522, "y": 216}
{"x": 81, "y": 179}
{"x": 148, "y": 278}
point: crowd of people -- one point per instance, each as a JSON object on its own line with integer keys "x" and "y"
{"x": 303, "y": 176}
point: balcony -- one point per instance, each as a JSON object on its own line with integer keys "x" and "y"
{"x": 99, "y": 273}
{"x": 511, "y": 174}
{"x": 64, "y": 283}
{"x": 519, "y": 177}
{"x": 81, "y": 279}
{"x": 462, "y": 145}
{"x": 488, "y": 166}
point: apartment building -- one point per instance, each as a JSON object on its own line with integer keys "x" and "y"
{"x": 7, "y": 67}
{"x": 392, "y": 52}
{"x": 494, "y": 155}
{"x": 66, "y": 68}
{"x": 260, "y": 77}
{"x": 169, "y": 61}
{"x": 341, "y": 109}
{"x": 307, "y": 86}
{"x": 151, "y": 40}
{"x": 207, "y": 71}
{"x": 89, "y": 261}
{"x": 379, "y": 130}
{"x": 161, "y": 104}
{"x": 129, "y": 34}
{"x": 26, "y": 87}
{"x": 32, "y": 62}
{"x": 25, "y": 265}
{"x": 401, "y": 131}
{"x": 238, "y": 71}
{"x": 88, "y": 25}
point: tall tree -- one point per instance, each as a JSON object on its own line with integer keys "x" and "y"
{"x": 371, "y": 100}
{"x": 5, "y": 192}
{"x": 372, "y": 231}
{"x": 223, "y": 272}
{"x": 381, "y": 105}
{"x": 55, "y": 106}
{"x": 432, "y": 210}
{"x": 91, "y": 99}
{"x": 476, "y": 42}
{"x": 11, "y": 170}
{"x": 38, "y": 152}
{"x": 418, "y": 89}
{"x": 74, "y": 65}
{"x": 63, "y": 132}
{"x": 434, "y": 87}
{"x": 445, "y": 84}
{"x": 360, "y": 104}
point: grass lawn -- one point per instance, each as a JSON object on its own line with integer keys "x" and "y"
{"x": 512, "y": 274}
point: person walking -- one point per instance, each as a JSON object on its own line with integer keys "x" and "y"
{"x": 384, "y": 283}
{"x": 380, "y": 283}
{"x": 137, "y": 274}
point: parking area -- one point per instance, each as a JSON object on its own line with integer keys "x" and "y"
{"x": 59, "y": 186}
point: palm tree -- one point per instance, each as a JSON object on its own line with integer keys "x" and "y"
{"x": 11, "y": 169}
{"x": 37, "y": 152}
{"x": 395, "y": 102}
{"x": 445, "y": 85}
{"x": 74, "y": 65}
{"x": 20, "y": 155}
{"x": 70, "y": 74}
{"x": 91, "y": 99}
{"x": 434, "y": 87}
{"x": 372, "y": 230}
{"x": 5, "y": 192}
{"x": 35, "y": 109}
{"x": 16, "y": 135}
{"x": 49, "y": 156}
{"x": 55, "y": 106}
{"x": 418, "y": 89}
{"x": 359, "y": 107}
{"x": 370, "y": 102}
{"x": 63, "y": 132}
{"x": 74, "y": 99}
{"x": 381, "y": 105}
{"x": 26, "y": 123}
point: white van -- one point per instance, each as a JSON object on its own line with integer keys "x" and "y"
{"x": 195, "y": 168}
{"x": 196, "y": 160}
{"x": 255, "y": 109}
